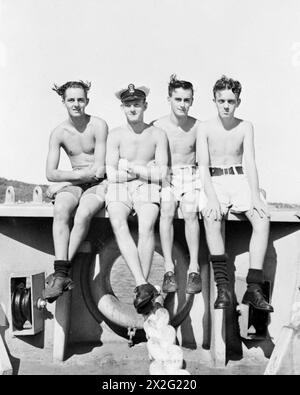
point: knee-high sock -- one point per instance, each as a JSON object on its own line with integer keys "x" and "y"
{"x": 254, "y": 279}
{"x": 219, "y": 264}
{"x": 62, "y": 267}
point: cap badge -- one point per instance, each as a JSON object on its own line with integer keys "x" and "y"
{"x": 131, "y": 88}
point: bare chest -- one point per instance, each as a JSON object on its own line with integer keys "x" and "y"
{"x": 183, "y": 143}
{"x": 76, "y": 143}
{"x": 140, "y": 148}
{"x": 226, "y": 143}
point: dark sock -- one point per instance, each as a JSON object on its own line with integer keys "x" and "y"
{"x": 219, "y": 264}
{"x": 62, "y": 267}
{"x": 255, "y": 279}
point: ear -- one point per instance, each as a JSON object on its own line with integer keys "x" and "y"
{"x": 145, "y": 105}
{"x": 169, "y": 99}
{"x": 238, "y": 102}
{"x": 87, "y": 101}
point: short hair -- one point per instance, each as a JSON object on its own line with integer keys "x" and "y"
{"x": 61, "y": 90}
{"x": 176, "y": 83}
{"x": 228, "y": 83}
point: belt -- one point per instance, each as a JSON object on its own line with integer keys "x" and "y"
{"x": 219, "y": 171}
{"x": 193, "y": 168}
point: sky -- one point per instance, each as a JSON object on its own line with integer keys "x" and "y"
{"x": 116, "y": 42}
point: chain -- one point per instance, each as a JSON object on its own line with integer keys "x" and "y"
{"x": 131, "y": 334}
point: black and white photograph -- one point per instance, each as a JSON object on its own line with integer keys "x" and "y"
{"x": 149, "y": 190}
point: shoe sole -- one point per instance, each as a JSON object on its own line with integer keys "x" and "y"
{"x": 221, "y": 308}
{"x": 192, "y": 291}
{"x": 170, "y": 290}
{"x": 145, "y": 302}
{"x": 258, "y": 308}
{"x": 53, "y": 298}
{"x": 141, "y": 306}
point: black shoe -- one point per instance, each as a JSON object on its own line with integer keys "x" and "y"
{"x": 255, "y": 298}
{"x": 169, "y": 283}
{"x": 55, "y": 285}
{"x": 194, "y": 283}
{"x": 144, "y": 298}
{"x": 223, "y": 300}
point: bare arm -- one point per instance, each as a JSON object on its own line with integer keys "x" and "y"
{"x": 202, "y": 153}
{"x": 114, "y": 174}
{"x": 158, "y": 171}
{"x": 252, "y": 175}
{"x": 100, "y": 149}
{"x": 53, "y": 174}
{"x": 249, "y": 159}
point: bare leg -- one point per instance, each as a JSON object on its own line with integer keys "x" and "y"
{"x": 166, "y": 231}
{"x": 118, "y": 214}
{"x": 58, "y": 282}
{"x": 216, "y": 246}
{"x": 88, "y": 207}
{"x": 257, "y": 250}
{"x": 65, "y": 204}
{"x": 214, "y": 239}
{"x": 259, "y": 240}
{"x": 147, "y": 215}
{"x": 192, "y": 233}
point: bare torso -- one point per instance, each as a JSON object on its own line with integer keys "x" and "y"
{"x": 225, "y": 146}
{"x": 182, "y": 141}
{"x": 79, "y": 145}
{"x": 137, "y": 147}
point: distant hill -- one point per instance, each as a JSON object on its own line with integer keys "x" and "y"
{"x": 24, "y": 192}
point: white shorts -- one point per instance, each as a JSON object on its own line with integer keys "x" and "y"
{"x": 233, "y": 192}
{"x": 184, "y": 184}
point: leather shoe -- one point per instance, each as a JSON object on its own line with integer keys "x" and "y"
{"x": 145, "y": 295}
{"x": 55, "y": 285}
{"x": 194, "y": 283}
{"x": 223, "y": 300}
{"x": 255, "y": 298}
{"x": 169, "y": 283}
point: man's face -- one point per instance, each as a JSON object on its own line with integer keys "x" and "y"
{"x": 181, "y": 101}
{"x": 75, "y": 101}
{"x": 134, "y": 110}
{"x": 226, "y": 102}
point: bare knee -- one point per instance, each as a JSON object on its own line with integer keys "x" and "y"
{"x": 61, "y": 212}
{"x": 83, "y": 216}
{"x": 261, "y": 226}
{"x": 167, "y": 212}
{"x": 119, "y": 225}
{"x": 190, "y": 218}
{"x": 146, "y": 228}
{"x": 212, "y": 226}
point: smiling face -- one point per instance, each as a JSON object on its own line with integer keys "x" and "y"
{"x": 134, "y": 110}
{"x": 181, "y": 101}
{"x": 75, "y": 101}
{"x": 226, "y": 102}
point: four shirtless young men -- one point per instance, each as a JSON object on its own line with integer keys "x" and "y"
{"x": 176, "y": 161}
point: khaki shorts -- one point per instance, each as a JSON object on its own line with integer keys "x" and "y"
{"x": 233, "y": 192}
{"x": 79, "y": 191}
{"x": 184, "y": 184}
{"x": 133, "y": 193}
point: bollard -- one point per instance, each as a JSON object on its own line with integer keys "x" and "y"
{"x": 37, "y": 195}
{"x": 9, "y": 195}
